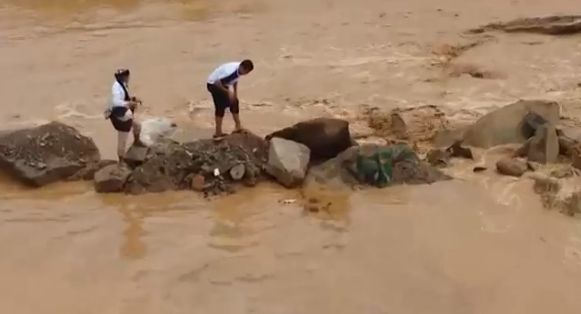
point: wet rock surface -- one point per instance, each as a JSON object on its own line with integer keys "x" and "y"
{"x": 45, "y": 154}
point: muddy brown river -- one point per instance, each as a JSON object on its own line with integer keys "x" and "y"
{"x": 480, "y": 244}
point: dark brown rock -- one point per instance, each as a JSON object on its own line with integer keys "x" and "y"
{"x": 111, "y": 179}
{"x": 456, "y": 150}
{"x": 45, "y": 154}
{"x": 507, "y": 125}
{"x": 511, "y": 167}
{"x": 198, "y": 183}
{"x": 325, "y": 137}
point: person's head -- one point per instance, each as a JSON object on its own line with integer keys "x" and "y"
{"x": 246, "y": 67}
{"x": 122, "y": 75}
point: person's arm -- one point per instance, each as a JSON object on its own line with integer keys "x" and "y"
{"x": 236, "y": 90}
{"x": 119, "y": 98}
{"x": 221, "y": 86}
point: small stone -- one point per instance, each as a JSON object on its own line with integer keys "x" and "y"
{"x": 198, "y": 183}
{"x": 511, "y": 167}
{"x": 479, "y": 169}
{"x": 237, "y": 172}
{"x": 456, "y": 150}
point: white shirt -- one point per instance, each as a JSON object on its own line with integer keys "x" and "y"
{"x": 228, "y": 71}
{"x": 118, "y": 95}
{"x": 118, "y": 100}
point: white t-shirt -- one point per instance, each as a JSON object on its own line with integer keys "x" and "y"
{"x": 118, "y": 95}
{"x": 118, "y": 100}
{"x": 227, "y": 73}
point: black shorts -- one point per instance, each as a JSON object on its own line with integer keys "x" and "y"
{"x": 116, "y": 114}
{"x": 222, "y": 101}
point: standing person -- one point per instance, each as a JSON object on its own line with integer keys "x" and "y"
{"x": 223, "y": 85}
{"x": 121, "y": 112}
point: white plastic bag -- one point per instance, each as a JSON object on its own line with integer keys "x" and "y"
{"x": 155, "y": 128}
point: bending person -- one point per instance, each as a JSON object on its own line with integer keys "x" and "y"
{"x": 121, "y": 112}
{"x": 223, "y": 85}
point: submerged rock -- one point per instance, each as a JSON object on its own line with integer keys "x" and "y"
{"x": 325, "y": 137}
{"x": 111, "y": 179}
{"x": 288, "y": 161}
{"x": 549, "y": 25}
{"x": 45, "y": 154}
{"x": 562, "y": 194}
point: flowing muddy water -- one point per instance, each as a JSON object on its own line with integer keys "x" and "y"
{"x": 478, "y": 244}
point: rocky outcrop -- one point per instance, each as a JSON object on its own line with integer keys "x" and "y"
{"x": 550, "y": 25}
{"x": 510, "y": 124}
{"x": 325, "y": 137}
{"x": 45, "y": 154}
{"x": 111, "y": 179}
{"x": 288, "y": 161}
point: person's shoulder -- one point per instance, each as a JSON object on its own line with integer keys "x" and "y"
{"x": 115, "y": 86}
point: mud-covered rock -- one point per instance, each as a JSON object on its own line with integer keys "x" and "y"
{"x": 111, "y": 179}
{"x": 511, "y": 167}
{"x": 510, "y": 124}
{"x": 45, "y": 154}
{"x": 325, "y": 137}
{"x": 173, "y": 166}
{"x": 549, "y": 25}
{"x": 288, "y": 161}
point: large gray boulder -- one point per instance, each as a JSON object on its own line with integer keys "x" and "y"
{"x": 41, "y": 155}
{"x": 510, "y": 124}
{"x": 325, "y": 137}
{"x": 288, "y": 161}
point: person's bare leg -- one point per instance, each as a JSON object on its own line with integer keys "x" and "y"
{"x": 218, "y": 131}
{"x": 237, "y": 124}
{"x": 136, "y": 128}
{"x": 121, "y": 145}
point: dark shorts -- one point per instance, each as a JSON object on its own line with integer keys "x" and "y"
{"x": 222, "y": 101}
{"x": 118, "y": 124}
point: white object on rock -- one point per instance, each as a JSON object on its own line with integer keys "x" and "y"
{"x": 154, "y": 129}
{"x": 216, "y": 172}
